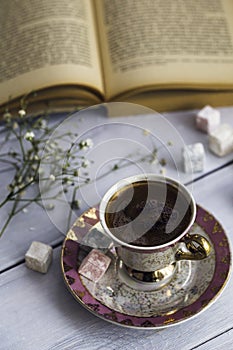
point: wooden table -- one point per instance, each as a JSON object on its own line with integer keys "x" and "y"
{"x": 38, "y": 312}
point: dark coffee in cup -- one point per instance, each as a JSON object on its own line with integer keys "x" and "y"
{"x": 148, "y": 213}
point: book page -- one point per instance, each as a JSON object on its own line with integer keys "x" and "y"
{"x": 182, "y": 43}
{"x": 46, "y": 43}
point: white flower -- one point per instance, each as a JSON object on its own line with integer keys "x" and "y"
{"x": 29, "y": 136}
{"x": 163, "y": 171}
{"x": 7, "y": 116}
{"x": 22, "y": 113}
{"x": 52, "y": 145}
{"x": 89, "y": 143}
{"x": 49, "y": 206}
{"x": 43, "y": 123}
{"x": 15, "y": 125}
{"x": 146, "y": 132}
{"x": 154, "y": 160}
{"x": 41, "y": 171}
{"x": 85, "y": 144}
{"x": 52, "y": 177}
{"x": 85, "y": 163}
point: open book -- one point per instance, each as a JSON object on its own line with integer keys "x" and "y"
{"x": 75, "y": 53}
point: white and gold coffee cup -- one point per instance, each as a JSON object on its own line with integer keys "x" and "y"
{"x": 148, "y": 217}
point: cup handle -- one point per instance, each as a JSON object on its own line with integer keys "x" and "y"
{"x": 198, "y": 248}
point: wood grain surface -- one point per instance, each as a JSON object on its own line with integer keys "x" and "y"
{"x": 38, "y": 312}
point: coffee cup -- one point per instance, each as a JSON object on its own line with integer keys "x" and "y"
{"x": 148, "y": 217}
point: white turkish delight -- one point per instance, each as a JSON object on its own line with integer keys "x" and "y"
{"x": 194, "y": 157}
{"x": 96, "y": 239}
{"x": 94, "y": 265}
{"x": 208, "y": 119}
{"x": 221, "y": 140}
{"x": 39, "y": 256}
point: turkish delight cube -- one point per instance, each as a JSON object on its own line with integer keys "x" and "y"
{"x": 194, "y": 157}
{"x": 94, "y": 265}
{"x": 39, "y": 256}
{"x": 221, "y": 140}
{"x": 96, "y": 239}
{"x": 207, "y": 119}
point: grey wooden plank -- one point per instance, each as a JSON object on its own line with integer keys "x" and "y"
{"x": 35, "y": 224}
{"x": 37, "y": 312}
{"x": 25, "y": 228}
{"x": 215, "y": 193}
{"x": 223, "y": 341}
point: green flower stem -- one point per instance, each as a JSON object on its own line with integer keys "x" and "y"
{"x": 10, "y": 216}
{"x": 27, "y": 155}
{"x": 23, "y": 206}
{"x": 70, "y": 209}
{"x": 6, "y": 154}
{"x": 19, "y": 138}
{"x": 13, "y": 194}
{"x": 7, "y": 199}
{"x": 14, "y": 164}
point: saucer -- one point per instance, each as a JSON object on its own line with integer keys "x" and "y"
{"x": 194, "y": 286}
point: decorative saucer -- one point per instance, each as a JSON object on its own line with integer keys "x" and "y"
{"x": 195, "y": 285}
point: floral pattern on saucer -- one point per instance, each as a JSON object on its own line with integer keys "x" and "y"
{"x": 186, "y": 295}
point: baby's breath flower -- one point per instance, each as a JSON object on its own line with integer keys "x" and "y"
{"x": 43, "y": 123}
{"x": 10, "y": 187}
{"x": 85, "y": 144}
{"x": 29, "y": 136}
{"x": 49, "y": 206}
{"x": 163, "y": 161}
{"x": 7, "y": 117}
{"x": 75, "y": 204}
{"x": 67, "y": 180}
{"x": 85, "y": 163}
{"x": 154, "y": 156}
{"x": 28, "y": 159}
{"x": 40, "y": 171}
{"x": 15, "y": 125}
{"x": 29, "y": 179}
{"x": 13, "y": 154}
{"x": 40, "y": 124}
{"x": 52, "y": 177}
{"x": 146, "y": 132}
{"x": 52, "y": 145}
{"x": 34, "y": 167}
{"x": 22, "y": 113}
{"x": 19, "y": 187}
{"x": 163, "y": 171}
{"x": 19, "y": 179}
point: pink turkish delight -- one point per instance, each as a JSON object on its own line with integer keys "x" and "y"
{"x": 208, "y": 119}
{"x": 94, "y": 265}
